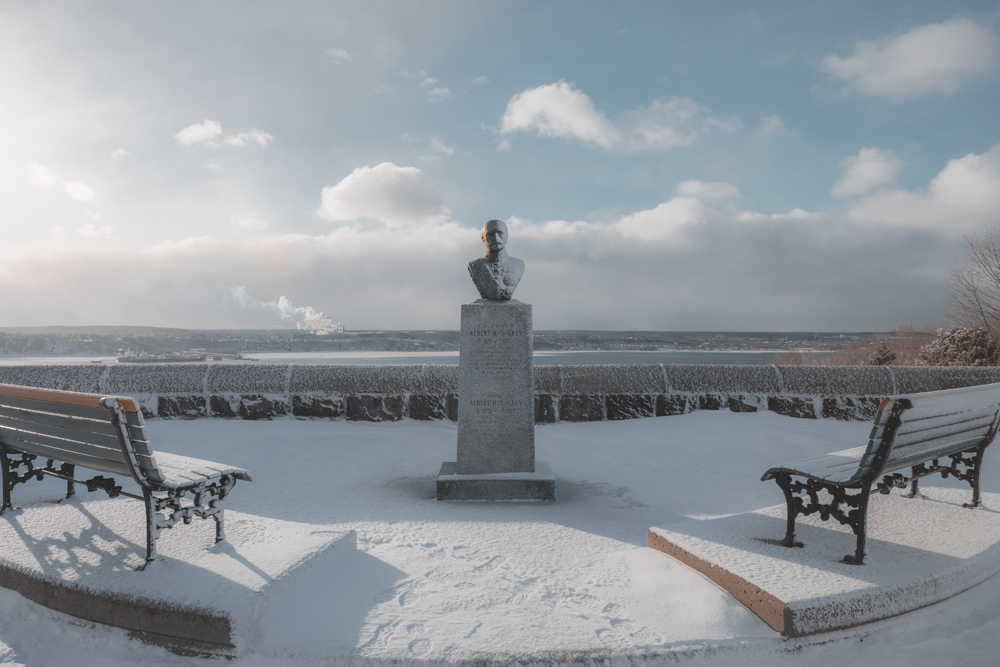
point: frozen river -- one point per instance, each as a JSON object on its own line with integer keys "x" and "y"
{"x": 382, "y": 358}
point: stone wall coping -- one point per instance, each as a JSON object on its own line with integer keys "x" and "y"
{"x": 653, "y": 379}
{"x": 428, "y": 391}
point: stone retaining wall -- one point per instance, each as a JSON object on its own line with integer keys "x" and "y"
{"x": 562, "y": 393}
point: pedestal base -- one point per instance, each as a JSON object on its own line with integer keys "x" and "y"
{"x": 538, "y": 485}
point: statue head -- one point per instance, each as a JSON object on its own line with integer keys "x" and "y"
{"x": 495, "y": 235}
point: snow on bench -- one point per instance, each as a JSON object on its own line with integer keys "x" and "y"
{"x": 913, "y": 431}
{"x": 107, "y": 434}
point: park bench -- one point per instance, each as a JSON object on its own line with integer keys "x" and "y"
{"x": 915, "y": 431}
{"x": 107, "y": 434}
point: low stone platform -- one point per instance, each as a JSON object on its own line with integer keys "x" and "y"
{"x": 80, "y": 557}
{"x": 538, "y": 485}
{"x": 920, "y": 551}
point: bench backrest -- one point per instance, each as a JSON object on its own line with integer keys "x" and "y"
{"x": 78, "y": 428}
{"x": 937, "y": 423}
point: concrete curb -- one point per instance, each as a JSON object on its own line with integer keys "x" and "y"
{"x": 185, "y": 629}
{"x": 809, "y": 590}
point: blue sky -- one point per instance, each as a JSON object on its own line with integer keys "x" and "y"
{"x": 662, "y": 165}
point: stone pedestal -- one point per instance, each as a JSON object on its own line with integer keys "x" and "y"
{"x": 496, "y": 412}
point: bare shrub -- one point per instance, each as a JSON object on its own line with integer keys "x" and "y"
{"x": 885, "y": 348}
{"x": 961, "y": 346}
{"x": 974, "y": 287}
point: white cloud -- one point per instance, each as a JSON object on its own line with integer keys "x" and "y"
{"x": 438, "y": 147}
{"x": 438, "y": 94}
{"x": 677, "y": 265}
{"x": 339, "y": 55}
{"x": 199, "y": 133}
{"x": 560, "y": 110}
{"x": 253, "y": 136}
{"x": 862, "y": 172}
{"x": 963, "y": 198}
{"x": 210, "y": 131}
{"x": 118, "y": 153}
{"x": 395, "y": 195}
{"x": 668, "y": 123}
{"x": 80, "y": 191}
{"x": 249, "y": 220}
{"x": 706, "y": 191}
{"x": 420, "y": 75}
{"x": 795, "y": 215}
{"x": 772, "y": 126}
{"x": 665, "y": 224}
{"x": 934, "y": 58}
{"x": 481, "y": 80}
{"x": 92, "y": 230}
{"x": 40, "y": 176}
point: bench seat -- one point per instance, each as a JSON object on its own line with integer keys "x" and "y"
{"x": 183, "y": 471}
{"x": 835, "y": 468}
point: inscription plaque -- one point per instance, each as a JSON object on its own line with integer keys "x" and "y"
{"x": 496, "y": 412}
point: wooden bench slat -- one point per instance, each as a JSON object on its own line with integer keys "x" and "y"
{"x": 952, "y": 400}
{"x": 62, "y": 397}
{"x": 64, "y": 455}
{"x": 99, "y": 414}
{"x": 83, "y": 437}
{"x": 182, "y": 470}
{"x": 150, "y": 468}
{"x": 141, "y": 445}
{"x": 88, "y": 425}
{"x": 915, "y": 423}
{"x": 838, "y": 467}
{"x": 137, "y": 433}
{"x": 941, "y": 449}
{"x": 86, "y": 448}
{"x": 916, "y": 438}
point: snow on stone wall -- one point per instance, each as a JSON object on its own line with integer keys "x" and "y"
{"x": 562, "y": 393}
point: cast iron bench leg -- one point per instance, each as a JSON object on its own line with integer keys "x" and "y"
{"x": 69, "y": 469}
{"x": 785, "y": 481}
{"x": 220, "y": 528}
{"x": 6, "y": 481}
{"x": 860, "y": 528}
{"x": 914, "y": 491}
{"x": 977, "y": 466}
{"x": 151, "y": 528}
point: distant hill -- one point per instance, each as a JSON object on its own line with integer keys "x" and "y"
{"x": 122, "y": 330}
{"x": 98, "y": 330}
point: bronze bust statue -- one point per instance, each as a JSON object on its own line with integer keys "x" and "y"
{"x": 497, "y": 274}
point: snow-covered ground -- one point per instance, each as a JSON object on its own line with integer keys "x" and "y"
{"x": 570, "y": 581}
